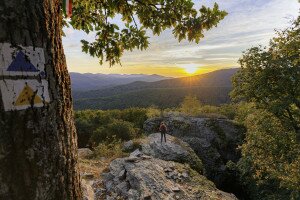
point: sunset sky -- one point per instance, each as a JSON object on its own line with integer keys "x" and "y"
{"x": 249, "y": 23}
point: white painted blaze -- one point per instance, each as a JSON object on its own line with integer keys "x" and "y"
{"x": 23, "y": 93}
{"x": 27, "y": 61}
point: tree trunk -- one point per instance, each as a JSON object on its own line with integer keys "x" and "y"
{"x": 38, "y": 150}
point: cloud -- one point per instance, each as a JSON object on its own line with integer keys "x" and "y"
{"x": 249, "y": 23}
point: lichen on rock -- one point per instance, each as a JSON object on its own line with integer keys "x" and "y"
{"x": 214, "y": 141}
{"x": 152, "y": 178}
{"x": 172, "y": 150}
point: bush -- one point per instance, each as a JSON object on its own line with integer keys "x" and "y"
{"x": 112, "y": 149}
{"x": 86, "y": 123}
{"x": 243, "y": 110}
{"x": 190, "y": 105}
{"x": 270, "y": 158}
{"x": 154, "y": 112}
{"x": 137, "y": 116}
{"x": 228, "y": 110}
{"x": 117, "y": 129}
{"x": 122, "y": 130}
{"x": 94, "y": 126}
{"x": 208, "y": 109}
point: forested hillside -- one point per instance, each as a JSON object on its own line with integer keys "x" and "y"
{"x": 89, "y": 81}
{"x": 211, "y": 88}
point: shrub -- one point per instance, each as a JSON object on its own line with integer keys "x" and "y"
{"x": 154, "y": 112}
{"x": 112, "y": 149}
{"x": 118, "y": 129}
{"x": 271, "y": 158}
{"x": 137, "y": 116}
{"x": 208, "y": 109}
{"x": 228, "y": 110}
{"x": 243, "y": 110}
{"x": 85, "y": 126}
{"x": 94, "y": 126}
{"x": 190, "y": 105}
{"x": 99, "y": 135}
{"x": 122, "y": 130}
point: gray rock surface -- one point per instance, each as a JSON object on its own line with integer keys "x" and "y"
{"x": 127, "y": 146}
{"x": 87, "y": 190}
{"x": 85, "y": 153}
{"x": 172, "y": 150}
{"x": 150, "y": 178}
{"x": 215, "y": 141}
{"x": 136, "y": 153}
{"x": 156, "y": 170}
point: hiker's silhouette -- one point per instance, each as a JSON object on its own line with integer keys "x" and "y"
{"x": 163, "y": 130}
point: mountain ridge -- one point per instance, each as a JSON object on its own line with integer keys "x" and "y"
{"x": 219, "y": 78}
{"x": 89, "y": 81}
{"x": 211, "y": 88}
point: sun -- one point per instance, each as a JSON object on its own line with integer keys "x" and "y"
{"x": 191, "y": 68}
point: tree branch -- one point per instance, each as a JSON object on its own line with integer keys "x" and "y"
{"x": 131, "y": 14}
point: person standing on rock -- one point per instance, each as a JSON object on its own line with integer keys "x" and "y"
{"x": 163, "y": 130}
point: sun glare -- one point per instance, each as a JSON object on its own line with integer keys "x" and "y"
{"x": 191, "y": 68}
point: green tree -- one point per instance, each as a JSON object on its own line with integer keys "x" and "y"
{"x": 87, "y": 122}
{"x": 190, "y": 105}
{"x": 138, "y": 16}
{"x": 269, "y": 84}
{"x": 270, "y": 77}
{"x": 95, "y": 126}
{"x": 270, "y": 158}
{"x": 117, "y": 129}
{"x": 38, "y": 150}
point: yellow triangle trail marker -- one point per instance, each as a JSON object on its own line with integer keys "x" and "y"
{"x": 27, "y": 96}
{"x": 24, "y": 93}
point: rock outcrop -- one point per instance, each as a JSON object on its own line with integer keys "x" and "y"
{"x": 87, "y": 190}
{"x": 85, "y": 153}
{"x": 172, "y": 150}
{"x": 215, "y": 141}
{"x": 155, "y": 170}
{"x": 145, "y": 177}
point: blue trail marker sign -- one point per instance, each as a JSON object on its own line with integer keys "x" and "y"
{"x": 23, "y": 82}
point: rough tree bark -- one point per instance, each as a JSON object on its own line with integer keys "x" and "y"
{"x": 38, "y": 157}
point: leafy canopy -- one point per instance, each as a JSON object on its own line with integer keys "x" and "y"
{"x": 270, "y": 158}
{"x": 94, "y": 126}
{"x": 138, "y": 16}
{"x": 270, "y": 77}
{"x": 269, "y": 80}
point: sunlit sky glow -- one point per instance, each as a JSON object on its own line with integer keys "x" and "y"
{"x": 249, "y": 23}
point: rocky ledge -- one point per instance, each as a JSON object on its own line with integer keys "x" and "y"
{"x": 215, "y": 142}
{"x": 156, "y": 170}
{"x": 143, "y": 177}
{"x": 172, "y": 150}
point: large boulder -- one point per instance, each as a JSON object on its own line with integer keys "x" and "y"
{"x": 215, "y": 141}
{"x": 85, "y": 153}
{"x": 172, "y": 150}
{"x": 145, "y": 177}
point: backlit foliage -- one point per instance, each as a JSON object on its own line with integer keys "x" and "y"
{"x": 269, "y": 81}
{"x": 270, "y": 77}
{"x": 271, "y": 157}
{"x": 138, "y": 16}
{"x": 190, "y": 105}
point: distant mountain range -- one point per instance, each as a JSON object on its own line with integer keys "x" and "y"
{"x": 210, "y": 88}
{"x": 88, "y": 81}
